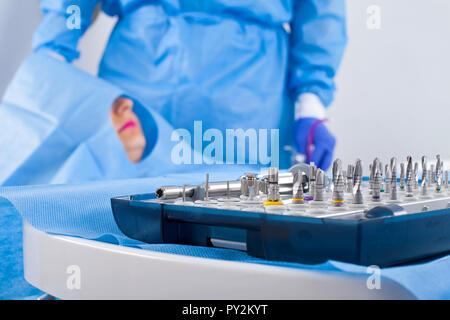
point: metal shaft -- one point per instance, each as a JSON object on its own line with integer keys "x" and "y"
{"x": 318, "y": 191}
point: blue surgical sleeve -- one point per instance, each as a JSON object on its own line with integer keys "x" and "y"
{"x": 59, "y": 31}
{"x": 318, "y": 40}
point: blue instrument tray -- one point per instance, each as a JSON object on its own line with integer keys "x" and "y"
{"x": 382, "y": 235}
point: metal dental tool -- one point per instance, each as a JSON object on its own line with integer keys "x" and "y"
{"x": 393, "y": 193}
{"x": 357, "y": 173}
{"x": 446, "y": 180}
{"x": 432, "y": 175}
{"x": 387, "y": 183}
{"x": 297, "y": 190}
{"x": 337, "y": 167}
{"x": 358, "y": 197}
{"x": 416, "y": 175}
{"x": 374, "y": 168}
{"x": 402, "y": 176}
{"x": 219, "y": 189}
{"x": 318, "y": 194}
{"x": 429, "y": 178}
{"x": 377, "y": 183}
{"x": 207, "y": 188}
{"x": 357, "y": 177}
{"x": 205, "y": 198}
{"x": 252, "y": 185}
{"x": 338, "y": 191}
{"x": 344, "y": 174}
{"x": 393, "y": 166}
{"x": 370, "y": 178}
{"x": 249, "y": 186}
{"x": 350, "y": 174}
{"x": 380, "y": 169}
{"x": 273, "y": 189}
{"x": 425, "y": 174}
{"x": 409, "y": 178}
{"x": 438, "y": 174}
{"x": 312, "y": 179}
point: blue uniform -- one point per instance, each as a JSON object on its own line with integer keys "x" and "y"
{"x": 229, "y": 63}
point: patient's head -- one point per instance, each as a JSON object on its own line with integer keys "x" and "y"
{"x": 128, "y": 128}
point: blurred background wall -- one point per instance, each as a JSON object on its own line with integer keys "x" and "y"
{"x": 393, "y": 88}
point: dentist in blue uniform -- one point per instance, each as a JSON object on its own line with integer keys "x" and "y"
{"x": 261, "y": 64}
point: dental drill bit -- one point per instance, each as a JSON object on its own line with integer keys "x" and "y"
{"x": 252, "y": 185}
{"x": 370, "y": 178}
{"x": 393, "y": 194}
{"x": 297, "y": 190}
{"x": 357, "y": 173}
{"x": 318, "y": 192}
{"x": 273, "y": 189}
{"x": 393, "y": 166}
{"x": 428, "y": 178}
{"x": 438, "y": 174}
{"x": 372, "y": 168}
{"x": 338, "y": 191}
{"x": 402, "y": 176}
{"x": 184, "y": 196}
{"x": 344, "y": 174}
{"x": 425, "y": 175}
{"x": 207, "y": 187}
{"x": 337, "y": 167}
{"x": 205, "y": 200}
{"x": 409, "y": 177}
{"x": 358, "y": 197}
{"x": 350, "y": 174}
{"x": 432, "y": 175}
{"x": 377, "y": 183}
{"x": 416, "y": 175}
{"x": 387, "y": 183}
{"x": 312, "y": 179}
{"x": 380, "y": 169}
{"x": 446, "y": 180}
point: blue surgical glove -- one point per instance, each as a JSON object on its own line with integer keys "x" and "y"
{"x": 311, "y": 135}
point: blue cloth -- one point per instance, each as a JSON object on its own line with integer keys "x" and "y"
{"x": 12, "y": 282}
{"x": 232, "y": 41}
{"x": 58, "y": 132}
{"x": 83, "y": 210}
{"x": 230, "y": 64}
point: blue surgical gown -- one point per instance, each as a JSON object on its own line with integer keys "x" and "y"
{"x": 229, "y": 63}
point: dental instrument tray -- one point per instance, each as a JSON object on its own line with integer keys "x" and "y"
{"x": 301, "y": 215}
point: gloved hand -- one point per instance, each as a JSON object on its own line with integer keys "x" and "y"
{"x": 315, "y": 141}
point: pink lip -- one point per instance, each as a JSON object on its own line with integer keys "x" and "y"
{"x": 129, "y": 124}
